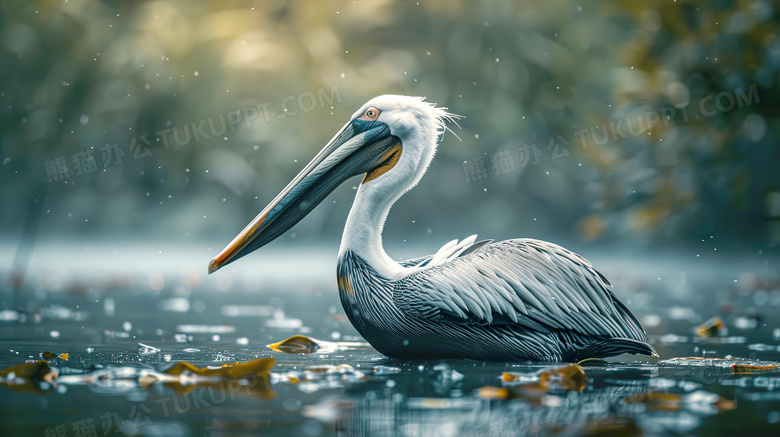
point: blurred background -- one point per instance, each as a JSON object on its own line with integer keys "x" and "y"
{"x": 137, "y": 138}
{"x": 624, "y": 124}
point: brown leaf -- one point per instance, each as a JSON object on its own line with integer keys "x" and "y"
{"x": 297, "y": 344}
{"x": 747, "y": 369}
{"x": 36, "y": 370}
{"x": 571, "y": 377}
{"x": 29, "y": 375}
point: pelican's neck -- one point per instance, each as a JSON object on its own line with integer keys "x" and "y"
{"x": 418, "y": 134}
{"x": 363, "y": 231}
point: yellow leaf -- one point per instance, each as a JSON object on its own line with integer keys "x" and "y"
{"x": 48, "y": 356}
{"x": 710, "y": 328}
{"x": 215, "y": 378}
{"x": 229, "y": 370}
{"x": 297, "y": 344}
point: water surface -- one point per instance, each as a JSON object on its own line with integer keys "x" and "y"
{"x": 119, "y": 324}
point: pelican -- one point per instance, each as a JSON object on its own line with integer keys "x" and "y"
{"x": 514, "y": 300}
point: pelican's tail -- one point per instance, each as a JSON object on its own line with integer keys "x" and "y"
{"x": 610, "y": 348}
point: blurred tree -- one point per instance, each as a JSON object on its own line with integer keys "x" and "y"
{"x": 156, "y": 81}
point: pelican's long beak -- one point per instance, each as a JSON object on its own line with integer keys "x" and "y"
{"x": 359, "y": 147}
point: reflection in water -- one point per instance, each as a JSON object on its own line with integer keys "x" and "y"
{"x": 387, "y": 412}
{"x": 118, "y": 354}
{"x": 430, "y": 399}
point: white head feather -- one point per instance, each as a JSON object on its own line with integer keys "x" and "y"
{"x": 418, "y": 124}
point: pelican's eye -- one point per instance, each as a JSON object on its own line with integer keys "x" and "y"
{"x": 371, "y": 114}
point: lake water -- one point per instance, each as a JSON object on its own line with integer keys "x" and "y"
{"x": 121, "y": 313}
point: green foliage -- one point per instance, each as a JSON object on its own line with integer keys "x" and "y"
{"x": 81, "y": 74}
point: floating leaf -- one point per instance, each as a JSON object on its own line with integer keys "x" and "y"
{"x": 227, "y": 371}
{"x": 747, "y": 369}
{"x": 184, "y": 377}
{"x": 385, "y": 370}
{"x": 711, "y": 327}
{"x": 489, "y": 392}
{"x": 571, "y": 377}
{"x": 48, "y": 356}
{"x": 26, "y": 377}
{"x": 297, "y": 344}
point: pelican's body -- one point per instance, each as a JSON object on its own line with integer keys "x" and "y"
{"x": 510, "y": 300}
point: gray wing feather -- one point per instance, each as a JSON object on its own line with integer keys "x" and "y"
{"x": 532, "y": 283}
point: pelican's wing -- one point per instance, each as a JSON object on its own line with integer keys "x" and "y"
{"x": 532, "y": 283}
{"x": 448, "y": 252}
